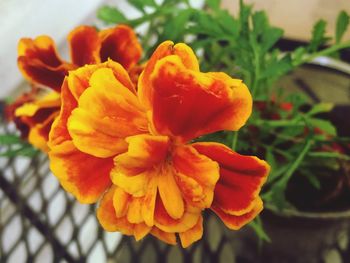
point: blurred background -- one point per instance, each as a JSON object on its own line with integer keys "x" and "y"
{"x": 30, "y": 18}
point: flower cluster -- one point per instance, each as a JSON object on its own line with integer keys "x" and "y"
{"x": 122, "y": 134}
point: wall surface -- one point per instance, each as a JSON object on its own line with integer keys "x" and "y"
{"x": 30, "y": 18}
{"x": 297, "y": 17}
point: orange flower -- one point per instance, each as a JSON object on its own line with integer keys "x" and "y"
{"x": 99, "y": 109}
{"x": 161, "y": 182}
{"x": 40, "y": 64}
{"x": 166, "y": 181}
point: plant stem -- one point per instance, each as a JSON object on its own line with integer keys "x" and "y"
{"x": 256, "y": 68}
{"x": 297, "y": 162}
{"x": 324, "y": 52}
{"x": 234, "y": 140}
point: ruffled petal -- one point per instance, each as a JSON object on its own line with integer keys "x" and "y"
{"x": 166, "y": 223}
{"x": 39, "y": 63}
{"x": 120, "y": 202}
{"x": 84, "y": 44}
{"x": 170, "y": 193}
{"x": 79, "y": 80}
{"x": 196, "y": 176}
{"x": 149, "y": 202}
{"x": 59, "y": 132}
{"x": 121, "y": 45}
{"x": 188, "y": 104}
{"x": 134, "y": 214}
{"x": 167, "y": 48}
{"x": 41, "y": 48}
{"x": 39, "y": 134}
{"x": 192, "y": 235}
{"x": 83, "y": 175}
{"x": 144, "y": 152}
{"x": 38, "y": 115}
{"x": 168, "y": 238}
{"x": 241, "y": 178}
{"x": 235, "y": 222}
{"x": 135, "y": 168}
{"x": 107, "y": 113}
{"x": 112, "y": 222}
{"x": 37, "y": 72}
{"x": 136, "y": 171}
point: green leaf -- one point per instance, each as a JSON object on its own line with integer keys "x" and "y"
{"x": 329, "y": 155}
{"x": 8, "y": 139}
{"x": 174, "y": 29}
{"x": 208, "y": 24}
{"x": 270, "y": 37}
{"x": 318, "y": 35}
{"x": 313, "y": 179}
{"x": 320, "y": 107}
{"x": 141, "y": 4}
{"x": 257, "y": 226}
{"x": 277, "y": 195}
{"x": 323, "y": 125}
{"x": 342, "y": 25}
{"x": 270, "y": 158}
{"x": 260, "y": 22}
{"x": 111, "y": 15}
{"x": 228, "y": 23}
{"x": 213, "y": 4}
{"x": 278, "y": 68}
{"x": 27, "y": 151}
{"x": 244, "y": 14}
{"x": 298, "y": 54}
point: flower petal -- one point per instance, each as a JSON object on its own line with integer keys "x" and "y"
{"x": 107, "y": 113}
{"x": 121, "y": 45}
{"x": 149, "y": 202}
{"x": 140, "y": 231}
{"x": 168, "y": 238}
{"x": 107, "y": 218}
{"x": 83, "y": 175}
{"x": 120, "y": 202}
{"x": 41, "y": 48}
{"x": 235, "y": 222}
{"x": 134, "y": 169}
{"x": 37, "y": 72}
{"x": 192, "y": 235}
{"x": 196, "y": 175}
{"x": 135, "y": 185}
{"x": 84, "y": 45}
{"x": 134, "y": 210}
{"x": 39, "y": 134}
{"x": 165, "y": 222}
{"x": 39, "y": 63}
{"x": 241, "y": 178}
{"x": 188, "y": 104}
{"x": 59, "y": 132}
{"x": 167, "y": 48}
{"x": 79, "y": 79}
{"x": 170, "y": 193}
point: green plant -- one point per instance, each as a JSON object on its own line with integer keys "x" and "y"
{"x": 291, "y": 138}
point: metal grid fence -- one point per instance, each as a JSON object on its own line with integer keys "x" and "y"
{"x": 40, "y": 222}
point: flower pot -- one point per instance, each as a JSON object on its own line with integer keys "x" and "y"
{"x": 320, "y": 232}
{"x": 298, "y": 237}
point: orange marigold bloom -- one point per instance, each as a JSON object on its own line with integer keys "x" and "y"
{"x": 40, "y": 64}
{"x": 99, "y": 109}
{"x": 141, "y": 142}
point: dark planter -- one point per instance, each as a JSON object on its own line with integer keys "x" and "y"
{"x": 305, "y": 236}
{"x": 298, "y": 237}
